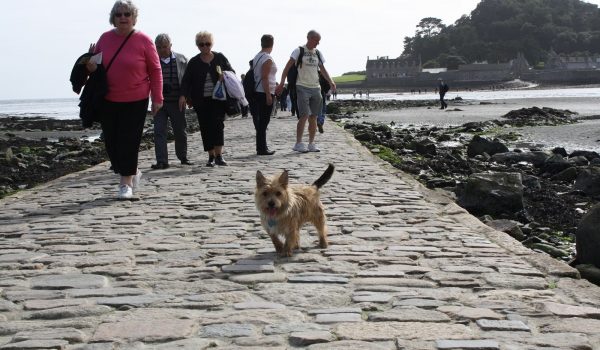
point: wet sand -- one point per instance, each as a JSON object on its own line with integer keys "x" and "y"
{"x": 583, "y": 135}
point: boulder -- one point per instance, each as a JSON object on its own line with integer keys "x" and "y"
{"x": 425, "y": 147}
{"x": 589, "y": 155}
{"x": 493, "y": 193}
{"x": 536, "y": 158}
{"x": 531, "y": 182}
{"x": 579, "y": 161}
{"x": 588, "y": 180}
{"x": 590, "y": 273}
{"x": 567, "y": 175}
{"x": 549, "y": 249}
{"x": 368, "y": 136}
{"x": 555, "y": 164}
{"x": 560, "y": 150}
{"x": 510, "y": 227}
{"x": 588, "y": 238}
{"x": 480, "y": 145}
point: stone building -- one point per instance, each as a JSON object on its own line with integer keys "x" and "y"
{"x": 571, "y": 62}
{"x": 402, "y": 72}
{"x": 384, "y": 68}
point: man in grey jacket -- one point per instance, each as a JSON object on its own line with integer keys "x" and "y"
{"x": 173, "y": 66}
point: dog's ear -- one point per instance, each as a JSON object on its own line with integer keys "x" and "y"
{"x": 283, "y": 178}
{"x": 260, "y": 179}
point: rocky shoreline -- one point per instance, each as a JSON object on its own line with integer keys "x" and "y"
{"x": 37, "y": 150}
{"x": 538, "y": 196}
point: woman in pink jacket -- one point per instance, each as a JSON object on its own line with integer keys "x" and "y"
{"x": 134, "y": 75}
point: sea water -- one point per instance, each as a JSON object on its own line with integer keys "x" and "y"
{"x": 480, "y": 95}
{"x": 56, "y": 108}
{"x": 67, "y": 108}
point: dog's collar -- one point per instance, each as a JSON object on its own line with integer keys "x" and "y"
{"x": 272, "y": 222}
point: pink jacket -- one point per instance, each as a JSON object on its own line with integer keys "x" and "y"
{"x": 136, "y": 71}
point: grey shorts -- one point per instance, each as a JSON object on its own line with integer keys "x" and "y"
{"x": 309, "y": 101}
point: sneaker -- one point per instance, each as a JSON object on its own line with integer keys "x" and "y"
{"x": 300, "y": 147}
{"x": 137, "y": 179}
{"x": 313, "y": 148}
{"x": 125, "y": 192}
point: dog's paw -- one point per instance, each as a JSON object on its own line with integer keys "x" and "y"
{"x": 323, "y": 244}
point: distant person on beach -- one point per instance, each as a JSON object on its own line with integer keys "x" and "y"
{"x": 264, "y": 70}
{"x": 173, "y": 67}
{"x": 325, "y": 90}
{"x": 442, "y": 89}
{"x": 308, "y": 89}
{"x": 202, "y": 74}
{"x": 132, "y": 76}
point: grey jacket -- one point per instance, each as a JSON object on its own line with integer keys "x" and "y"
{"x": 181, "y": 65}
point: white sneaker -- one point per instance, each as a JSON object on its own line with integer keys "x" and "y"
{"x": 300, "y": 147}
{"x": 125, "y": 192}
{"x": 137, "y": 179}
{"x": 313, "y": 148}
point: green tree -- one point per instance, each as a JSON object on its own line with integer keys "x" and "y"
{"x": 496, "y": 30}
{"x": 429, "y": 27}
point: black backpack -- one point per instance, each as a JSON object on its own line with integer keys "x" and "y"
{"x": 292, "y": 75}
{"x": 249, "y": 83}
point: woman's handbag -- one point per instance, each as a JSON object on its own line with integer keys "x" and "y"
{"x": 219, "y": 91}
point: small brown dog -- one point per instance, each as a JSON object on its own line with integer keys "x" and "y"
{"x": 284, "y": 209}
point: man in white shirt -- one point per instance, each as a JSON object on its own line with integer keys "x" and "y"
{"x": 308, "y": 89}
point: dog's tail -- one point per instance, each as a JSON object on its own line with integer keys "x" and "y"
{"x": 325, "y": 177}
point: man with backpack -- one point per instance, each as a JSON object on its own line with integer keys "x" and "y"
{"x": 443, "y": 88}
{"x": 263, "y": 101}
{"x": 307, "y": 61}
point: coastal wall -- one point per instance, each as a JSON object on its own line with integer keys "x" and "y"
{"x": 563, "y": 76}
{"x": 475, "y": 79}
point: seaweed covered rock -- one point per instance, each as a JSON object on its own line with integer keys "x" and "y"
{"x": 588, "y": 238}
{"x": 480, "y": 145}
{"x": 496, "y": 194}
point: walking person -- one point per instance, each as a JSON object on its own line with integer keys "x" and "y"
{"x": 202, "y": 74}
{"x": 133, "y": 73}
{"x": 283, "y": 99}
{"x": 264, "y": 74}
{"x": 442, "y": 89}
{"x": 325, "y": 88}
{"x": 173, "y": 67}
{"x": 308, "y": 89}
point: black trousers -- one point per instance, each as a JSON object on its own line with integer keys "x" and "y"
{"x": 294, "y": 99}
{"x": 261, "y": 119}
{"x": 122, "y": 127}
{"x": 443, "y": 103}
{"x": 211, "y": 117}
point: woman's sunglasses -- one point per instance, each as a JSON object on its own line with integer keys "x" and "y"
{"x": 203, "y": 44}
{"x": 126, "y": 14}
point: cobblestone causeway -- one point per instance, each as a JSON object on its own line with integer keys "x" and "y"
{"x": 187, "y": 265}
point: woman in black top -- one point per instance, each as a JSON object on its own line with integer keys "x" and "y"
{"x": 201, "y": 76}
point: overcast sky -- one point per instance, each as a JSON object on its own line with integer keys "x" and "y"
{"x": 41, "y": 39}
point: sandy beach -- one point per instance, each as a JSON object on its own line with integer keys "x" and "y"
{"x": 583, "y": 135}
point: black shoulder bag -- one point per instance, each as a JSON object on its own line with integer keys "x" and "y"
{"x": 92, "y": 98}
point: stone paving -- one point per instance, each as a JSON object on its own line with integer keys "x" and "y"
{"x": 187, "y": 265}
